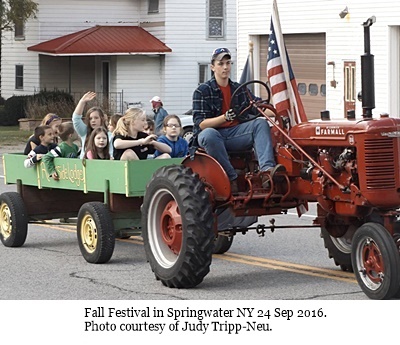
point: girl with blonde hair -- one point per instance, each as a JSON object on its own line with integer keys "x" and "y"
{"x": 130, "y": 142}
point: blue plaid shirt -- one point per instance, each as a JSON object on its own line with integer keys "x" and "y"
{"x": 207, "y": 103}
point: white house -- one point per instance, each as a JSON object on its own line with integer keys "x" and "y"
{"x": 129, "y": 49}
{"x": 325, "y": 40}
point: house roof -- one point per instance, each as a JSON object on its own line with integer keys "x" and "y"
{"x": 104, "y": 40}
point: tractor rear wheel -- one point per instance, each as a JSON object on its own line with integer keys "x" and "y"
{"x": 95, "y": 230}
{"x": 339, "y": 248}
{"x": 376, "y": 261}
{"x": 177, "y": 223}
{"x": 13, "y": 220}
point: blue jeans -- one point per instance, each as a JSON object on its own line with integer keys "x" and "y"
{"x": 256, "y": 133}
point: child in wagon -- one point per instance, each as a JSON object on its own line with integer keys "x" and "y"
{"x": 130, "y": 142}
{"x": 45, "y": 136}
{"x": 95, "y": 117}
{"x": 66, "y": 149}
{"x": 172, "y": 129}
{"x": 98, "y": 145}
{"x": 52, "y": 120}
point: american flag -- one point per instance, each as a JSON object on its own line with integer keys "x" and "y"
{"x": 286, "y": 97}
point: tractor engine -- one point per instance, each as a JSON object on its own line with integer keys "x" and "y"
{"x": 339, "y": 160}
{"x": 351, "y": 167}
{"x": 358, "y": 161}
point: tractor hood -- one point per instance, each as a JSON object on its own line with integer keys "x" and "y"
{"x": 343, "y": 132}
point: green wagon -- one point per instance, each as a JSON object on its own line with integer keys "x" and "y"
{"x": 173, "y": 204}
{"x": 105, "y": 196}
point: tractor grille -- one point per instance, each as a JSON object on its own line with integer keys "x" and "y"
{"x": 379, "y": 163}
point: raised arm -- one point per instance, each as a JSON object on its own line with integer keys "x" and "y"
{"x": 79, "y": 125}
{"x": 88, "y": 96}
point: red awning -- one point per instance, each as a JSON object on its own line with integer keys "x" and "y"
{"x": 104, "y": 40}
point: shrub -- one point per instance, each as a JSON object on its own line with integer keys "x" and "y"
{"x": 2, "y": 114}
{"x": 44, "y": 102}
{"x": 14, "y": 109}
{"x": 36, "y": 106}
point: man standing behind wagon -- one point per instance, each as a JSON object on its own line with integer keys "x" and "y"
{"x": 159, "y": 114}
{"x": 217, "y": 128}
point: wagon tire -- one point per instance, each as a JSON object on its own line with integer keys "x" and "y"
{"x": 376, "y": 261}
{"x": 222, "y": 243}
{"x": 177, "y": 227}
{"x": 13, "y": 220}
{"x": 95, "y": 231}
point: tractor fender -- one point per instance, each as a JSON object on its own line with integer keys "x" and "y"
{"x": 211, "y": 173}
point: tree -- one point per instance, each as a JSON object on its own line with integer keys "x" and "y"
{"x": 12, "y": 12}
{"x": 15, "y": 11}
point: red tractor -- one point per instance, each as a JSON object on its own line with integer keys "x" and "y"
{"x": 349, "y": 167}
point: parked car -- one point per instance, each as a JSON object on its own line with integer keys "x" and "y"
{"x": 187, "y": 126}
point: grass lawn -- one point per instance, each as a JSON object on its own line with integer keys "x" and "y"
{"x": 12, "y": 136}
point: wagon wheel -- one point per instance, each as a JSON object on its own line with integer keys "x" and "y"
{"x": 339, "y": 248}
{"x": 222, "y": 243}
{"x": 241, "y": 109}
{"x": 376, "y": 261}
{"x": 177, "y": 226}
{"x": 95, "y": 230}
{"x": 13, "y": 220}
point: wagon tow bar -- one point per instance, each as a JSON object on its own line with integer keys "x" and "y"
{"x": 261, "y": 228}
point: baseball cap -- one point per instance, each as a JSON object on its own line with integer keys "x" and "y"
{"x": 219, "y": 53}
{"x": 155, "y": 99}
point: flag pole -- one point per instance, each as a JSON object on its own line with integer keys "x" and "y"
{"x": 251, "y": 67}
{"x": 251, "y": 47}
{"x": 281, "y": 44}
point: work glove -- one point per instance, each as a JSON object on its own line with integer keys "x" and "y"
{"x": 230, "y": 115}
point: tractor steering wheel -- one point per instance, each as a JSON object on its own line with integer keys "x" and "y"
{"x": 241, "y": 109}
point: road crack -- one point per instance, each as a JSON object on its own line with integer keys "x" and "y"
{"x": 80, "y": 275}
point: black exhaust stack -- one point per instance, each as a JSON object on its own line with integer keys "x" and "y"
{"x": 367, "y": 73}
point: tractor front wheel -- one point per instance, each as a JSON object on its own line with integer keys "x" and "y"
{"x": 177, "y": 225}
{"x": 376, "y": 261}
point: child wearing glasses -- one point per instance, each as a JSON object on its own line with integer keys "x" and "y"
{"x": 130, "y": 142}
{"x": 172, "y": 129}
